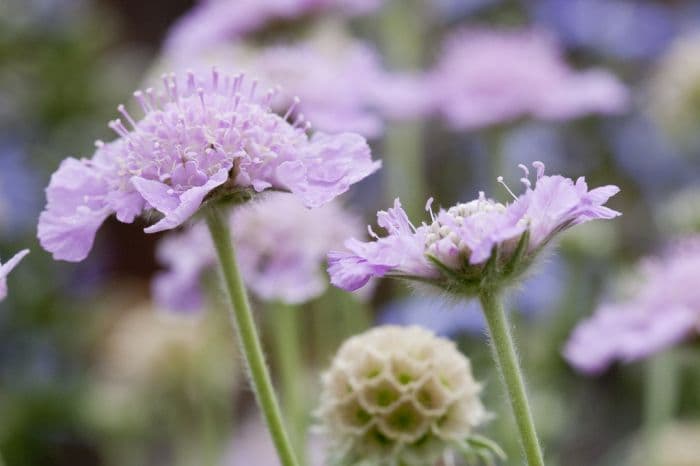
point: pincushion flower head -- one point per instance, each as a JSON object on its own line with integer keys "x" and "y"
{"x": 399, "y": 396}
{"x": 5, "y": 270}
{"x": 488, "y": 77}
{"x": 663, "y": 311}
{"x": 281, "y": 247}
{"x": 205, "y": 136}
{"x": 481, "y": 243}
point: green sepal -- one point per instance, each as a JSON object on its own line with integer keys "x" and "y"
{"x": 477, "y": 449}
{"x": 514, "y": 265}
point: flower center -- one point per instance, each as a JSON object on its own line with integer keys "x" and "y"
{"x": 444, "y": 226}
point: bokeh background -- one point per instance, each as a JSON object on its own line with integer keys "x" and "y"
{"x": 92, "y": 373}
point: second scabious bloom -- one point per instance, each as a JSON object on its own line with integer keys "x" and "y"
{"x": 203, "y": 137}
{"x": 481, "y": 243}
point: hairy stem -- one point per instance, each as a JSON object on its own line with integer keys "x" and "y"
{"x": 507, "y": 361}
{"x": 249, "y": 341}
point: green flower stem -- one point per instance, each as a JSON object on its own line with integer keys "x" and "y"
{"x": 660, "y": 397}
{"x": 507, "y": 361}
{"x": 249, "y": 341}
{"x": 285, "y": 331}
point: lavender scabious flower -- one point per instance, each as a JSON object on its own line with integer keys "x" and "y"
{"x": 475, "y": 244}
{"x": 487, "y": 77}
{"x": 664, "y": 311}
{"x": 281, "y": 249}
{"x": 202, "y": 134}
{"x": 211, "y": 22}
{"x": 5, "y": 270}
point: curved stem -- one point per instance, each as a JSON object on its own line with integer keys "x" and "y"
{"x": 249, "y": 341}
{"x": 285, "y": 328}
{"x": 507, "y": 361}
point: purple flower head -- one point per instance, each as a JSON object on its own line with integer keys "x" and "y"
{"x": 472, "y": 241}
{"x": 281, "y": 248}
{"x": 664, "y": 311}
{"x": 5, "y": 270}
{"x": 212, "y": 22}
{"x": 487, "y": 77}
{"x": 201, "y": 135}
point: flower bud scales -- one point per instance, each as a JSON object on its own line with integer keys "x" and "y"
{"x": 399, "y": 395}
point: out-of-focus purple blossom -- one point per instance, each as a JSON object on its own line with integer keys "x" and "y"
{"x": 6, "y": 268}
{"x": 486, "y": 77}
{"x": 619, "y": 28}
{"x": 212, "y": 22}
{"x": 452, "y": 251}
{"x": 252, "y": 446}
{"x": 20, "y": 201}
{"x": 664, "y": 311}
{"x": 281, "y": 247}
{"x": 208, "y": 133}
{"x": 445, "y": 318}
{"x": 340, "y": 80}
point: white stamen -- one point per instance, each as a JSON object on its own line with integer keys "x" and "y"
{"x": 252, "y": 90}
{"x": 500, "y": 180}
{"x": 540, "y": 168}
{"x": 291, "y": 108}
{"x": 371, "y": 232}
{"x": 121, "y": 109}
{"x": 190, "y": 81}
{"x": 200, "y": 93}
{"x": 215, "y": 78}
{"x": 429, "y": 208}
{"x": 138, "y": 95}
